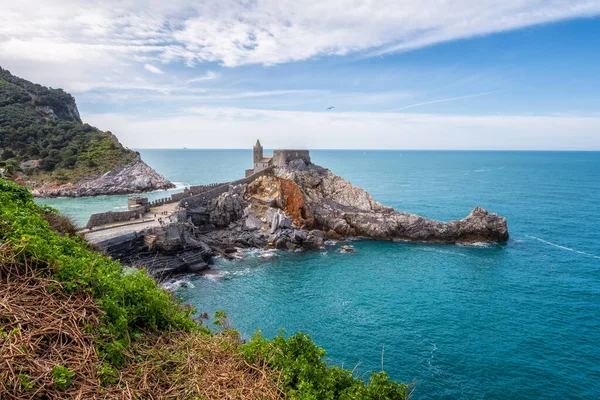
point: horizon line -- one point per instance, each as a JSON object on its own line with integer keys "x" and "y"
{"x": 357, "y": 149}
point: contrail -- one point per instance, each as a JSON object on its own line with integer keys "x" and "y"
{"x": 444, "y": 100}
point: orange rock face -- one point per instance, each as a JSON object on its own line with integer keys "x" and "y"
{"x": 293, "y": 203}
{"x": 287, "y": 196}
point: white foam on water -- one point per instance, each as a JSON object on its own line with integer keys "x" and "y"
{"x": 475, "y": 244}
{"x": 215, "y": 276}
{"x": 558, "y": 246}
{"x": 330, "y": 243}
{"x": 174, "y": 284}
{"x": 240, "y": 272}
{"x": 268, "y": 254}
{"x": 180, "y": 185}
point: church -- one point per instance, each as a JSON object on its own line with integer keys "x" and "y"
{"x": 279, "y": 158}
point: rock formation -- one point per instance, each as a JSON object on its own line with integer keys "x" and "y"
{"x": 301, "y": 205}
{"x": 135, "y": 177}
{"x": 298, "y": 206}
{"x": 172, "y": 249}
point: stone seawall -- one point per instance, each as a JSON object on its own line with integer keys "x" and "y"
{"x": 187, "y": 192}
{"x": 193, "y": 190}
{"x": 202, "y": 198}
{"x": 111, "y": 217}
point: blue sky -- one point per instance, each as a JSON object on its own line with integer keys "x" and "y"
{"x": 512, "y": 74}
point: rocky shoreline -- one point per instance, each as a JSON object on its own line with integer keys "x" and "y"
{"x": 297, "y": 206}
{"x": 135, "y": 177}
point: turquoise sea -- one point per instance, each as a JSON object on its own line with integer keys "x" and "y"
{"x": 517, "y": 321}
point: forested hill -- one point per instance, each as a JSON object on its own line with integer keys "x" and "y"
{"x": 43, "y": 139}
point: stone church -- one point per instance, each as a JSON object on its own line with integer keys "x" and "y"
{"x": 279, "y": 158}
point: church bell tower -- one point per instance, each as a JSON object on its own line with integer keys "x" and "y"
{"x": 258, "y": 152}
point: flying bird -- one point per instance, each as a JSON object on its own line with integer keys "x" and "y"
{"x": 330, "y": 107}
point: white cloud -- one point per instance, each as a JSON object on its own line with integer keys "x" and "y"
{"x": 237, "y": 32}
{"x": 153, "y": 69}
{"x": 238, "y": 128}
{"x": 210, "y": 75}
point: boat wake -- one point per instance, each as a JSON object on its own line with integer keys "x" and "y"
{"x": 558, "y": 246}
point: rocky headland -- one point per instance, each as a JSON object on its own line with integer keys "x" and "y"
{"x": 295, "y": 206}
{"x": 303, "y": 204}
{"x": 135, "y": 177}
{"x": 45, "y": 145}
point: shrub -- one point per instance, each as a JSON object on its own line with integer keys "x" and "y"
{"x": 62, "y": 377}
{"x": 62, "y": 224}
{"x": 307, "y": 376}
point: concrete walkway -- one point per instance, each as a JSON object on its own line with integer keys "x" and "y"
{"x": 150, "y": 219}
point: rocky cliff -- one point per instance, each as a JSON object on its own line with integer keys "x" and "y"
{"x": 45, "y": 145}
{"x": 135, "y": 177}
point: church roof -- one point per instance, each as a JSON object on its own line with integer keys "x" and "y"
{"x": 257, "y": 143}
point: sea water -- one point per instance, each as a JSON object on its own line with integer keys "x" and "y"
{"x": 517, "y": 320}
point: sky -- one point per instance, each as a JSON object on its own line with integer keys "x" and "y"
{"x": 399, "y": 74}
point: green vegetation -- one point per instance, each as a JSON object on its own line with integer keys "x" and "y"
{"x": 118, "y": 335}
{"x": 62, "y": 377}
{"x": 307, "y": 376}
{"x": 132, "y": 303}
{"x": 43, "y": 124}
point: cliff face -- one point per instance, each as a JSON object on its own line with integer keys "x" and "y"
{"x": 44, "y": 144}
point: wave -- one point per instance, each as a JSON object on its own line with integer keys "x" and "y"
{"x": 268, "y": 254}
{"x": 180, "y": 185}
{"x": 476, "y": 244}
{"x": 558, "y": 246}
{"x": 174, "y": 284}
{"x": 218, "y": 275}
{"x": 215, "y": 276}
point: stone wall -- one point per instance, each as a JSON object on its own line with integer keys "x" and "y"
{"x": 283, "y": 157}
{"x": 202, "y": 198}
{"x": 187, "y": 192}
{"x": 203, "y": 188}
{"x": 135, "y": 202}
{"x": 111, "y": 217}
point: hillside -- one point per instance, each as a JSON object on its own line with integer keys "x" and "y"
{"x": 44, "y": 144}
{"x": 75, "y": 324}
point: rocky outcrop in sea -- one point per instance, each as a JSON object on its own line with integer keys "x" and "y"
{"x": 298, "y": 206}
{"x": 302, "y": 205}
{"x": 135, "y": 177}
